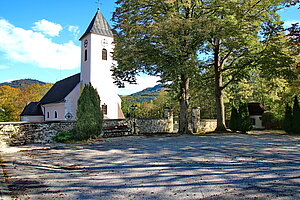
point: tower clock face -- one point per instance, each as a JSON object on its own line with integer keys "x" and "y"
{"x": 86, "y": 42}
{"x": 104, "y": 42}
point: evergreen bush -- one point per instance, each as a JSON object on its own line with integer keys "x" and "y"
{"x": 233, "y": 123}
{"x": 296, "y": 117}
{"x": 240, "y": 118}
{"x": 89, "y": 114}
{"x": 288, "y": 119}
{"x": 244, "y": 118}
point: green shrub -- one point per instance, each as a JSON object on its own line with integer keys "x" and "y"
{"x": 240, "y": 119}
{"x": 288, "y": 119}
{"x": 64, "y": 136}
{"x": 233, "y": 123}
{"x": 244, "y": 124}
{"x": 89, "y": 115}
{"x": 296, "y": 116}
{"x": 291, "y": 122}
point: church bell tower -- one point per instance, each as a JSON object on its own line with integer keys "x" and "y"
{"x": 96, "y": 61}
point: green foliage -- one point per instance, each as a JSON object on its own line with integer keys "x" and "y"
{"x": 7, "y": 114}
{"x": 89, "y": 115}
{"x": 240, "y": 118}
{"x": 13, "y": 100}
{"x": 64, "y": 136}
{"x": 291, "y": 123}
{"x": 151, "y": 109}
{"x": 244, "y": 118}
{"x": 233, "y": 123}
{"x": 288, "y": 119}
{"x": 236, "y": 36}
{"x": 296, "y": 116}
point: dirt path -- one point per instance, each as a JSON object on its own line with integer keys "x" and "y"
{"x": 215, "y": 166}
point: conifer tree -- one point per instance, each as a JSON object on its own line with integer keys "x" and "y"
{"x": 288, "y": 119}
{"x": 89, "y": 114}
{"x": 296, "y": 116}
{"x": 233, "y": 124}
{"x": 244, "y": 124}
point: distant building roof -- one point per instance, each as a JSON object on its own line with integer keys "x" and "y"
{"x": 33, "y": 108}
{"x": 98, "y": 25}
{"x": 61, "y": 89}
{"x": 256, "y": 108}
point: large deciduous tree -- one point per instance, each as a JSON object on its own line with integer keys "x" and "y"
{"x": 160, "y": 38}
{"x": 169, "y": 38}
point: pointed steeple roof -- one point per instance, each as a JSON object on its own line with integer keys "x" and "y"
{"x": 98, "y": 25}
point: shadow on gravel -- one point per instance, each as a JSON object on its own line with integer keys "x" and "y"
{"x": 184, "y": 167}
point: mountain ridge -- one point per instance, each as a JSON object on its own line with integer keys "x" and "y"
{"x": 22, "y": 83}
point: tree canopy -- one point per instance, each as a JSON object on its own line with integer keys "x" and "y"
{"x": 181, "y": 41}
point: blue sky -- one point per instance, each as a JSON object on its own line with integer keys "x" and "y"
{"x": 39, "y": 38}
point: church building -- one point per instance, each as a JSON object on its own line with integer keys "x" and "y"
{"x": 60, "y": 102}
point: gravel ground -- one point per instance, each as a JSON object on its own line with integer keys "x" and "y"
{"x": 214, "y": 166}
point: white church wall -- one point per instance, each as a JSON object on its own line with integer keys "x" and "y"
{"x": 101, "y": 76}
{"x": 85, "y": 75}
{"x": 97, "y": 71}
{"x": 29, "y": 118}
{"x": 71, "y": 102}
{"x": 257, "y": 121}
{"x": 53, "y": 108}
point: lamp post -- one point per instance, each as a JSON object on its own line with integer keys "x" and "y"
{"x": 134, "y": 108}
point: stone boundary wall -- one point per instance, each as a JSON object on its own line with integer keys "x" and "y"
{"x": 21, "y": 133}
{"x": 148, "y": 125}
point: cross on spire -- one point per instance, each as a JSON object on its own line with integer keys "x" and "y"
{"x": 99, "y": 4}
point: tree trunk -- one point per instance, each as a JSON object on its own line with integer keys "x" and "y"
{"x": 184, "y": 105}
{"x": 220, "y": 109}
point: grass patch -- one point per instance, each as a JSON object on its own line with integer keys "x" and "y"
{"x": 64, "y": 136}
{"x": 276, "y": 131}
{"x": 68, "y": 137}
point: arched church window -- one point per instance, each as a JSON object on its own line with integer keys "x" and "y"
{"x": 85, "y": 55}
{"x": 48, "y": 115}
{"x": 104, "y": 109}
{"x": 104, "y": 54}
{"x": 55, "y": 114}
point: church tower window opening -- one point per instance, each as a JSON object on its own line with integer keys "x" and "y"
{"x": 55, "y": 114}
{"x": 104, "y": 54}
{"x": 104, "y": 109}
{"x": 85, "y": 55}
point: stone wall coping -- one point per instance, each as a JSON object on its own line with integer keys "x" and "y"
{"x": 47, "y": 122}
{"x": 208, "y": 120}
{"x": 150, "y": 118}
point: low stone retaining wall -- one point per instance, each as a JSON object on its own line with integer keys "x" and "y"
{"x": 146, "y": 125}
{"x": 20, "y": 133}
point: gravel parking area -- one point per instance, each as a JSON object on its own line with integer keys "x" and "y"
{"x": 213, "y": 166}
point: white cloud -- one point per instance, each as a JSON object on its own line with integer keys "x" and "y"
{"x": 74, "y": 30}
{"x": 32, "y": 47}
{"x": 143, "y": 81}
{"x": 47, "y": 27}
{"x": 3, "y": 67}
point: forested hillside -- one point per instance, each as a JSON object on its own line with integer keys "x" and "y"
{"x": 22, "y": 83}
{"x": 16, "y": 94}
{"x": 146, "y": 95}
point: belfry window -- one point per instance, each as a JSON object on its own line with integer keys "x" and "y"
{"x": 104, "y": 54}
{"x": 85, "y": 55}
{"x": 55, "y": 114}
{"x": 104, "y": 109}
